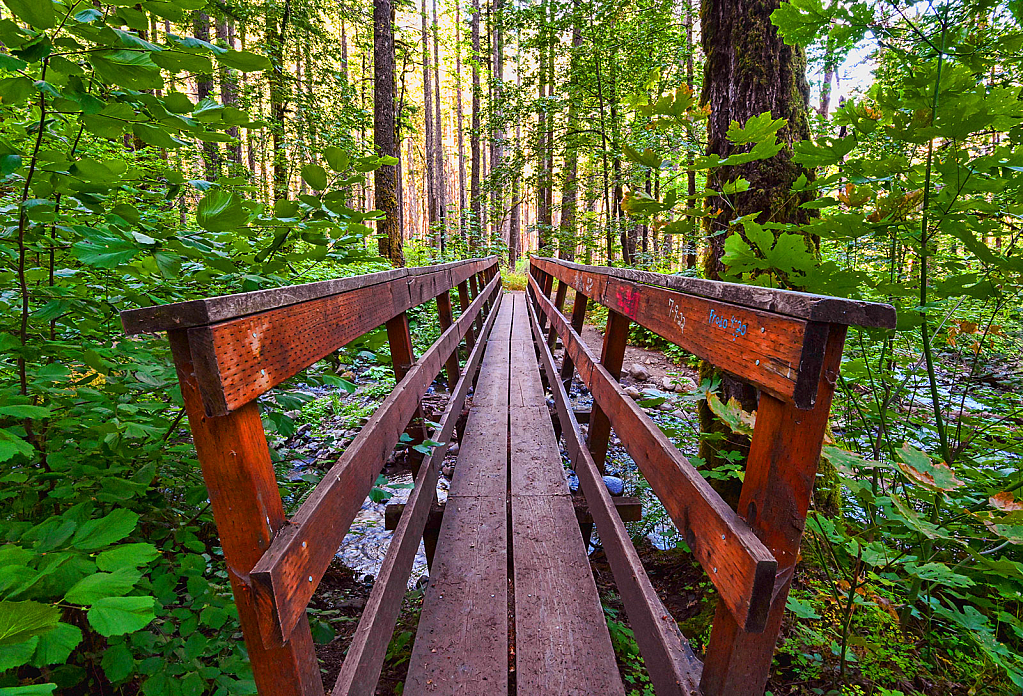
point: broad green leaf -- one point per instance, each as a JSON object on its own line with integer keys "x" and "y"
{"x": 757, "y": 128}
{"x": 127, "y": 556}
{"x": 825, "y": 153}
{"x": 28, "y": 690}
{"x": 178, "y": 103}
{"x": 14, "y": 90}
{"x": 118, "y": 662}
{"x": 315, "y": 176}
{"x": 732, "y": 414}
{"x": 153, "y": 135}
{"x": 939, "y": 573}
{"x": 103, "y": 249}
{"x": 99, "y": 585}
{"x": 55, "y": 647}
{"x": 182, "y": 61}
{"x": 800, "y": 21}
{"x": 336, "y": 158}
{"x": 243, "y": 61}
{"x": 97, "y": 533}
{"x": 17, "y": 654}
{"x": 20, "y": 621}
{"x": 38, "y": 14}
{"x": 114, "y": 616}
{"x": 220, "y": 211}
{"x": 730, "y": 188}
{"x": 801, "y": 609}
{"x": 126, "y": 68}
{"x": 12, "y": 445}
{"x": 919, "y": 468}
{"x": 24, "y": 411}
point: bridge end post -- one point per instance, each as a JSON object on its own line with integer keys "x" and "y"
{"x": 775, "y": 498}
{"x": 248, "y": 511}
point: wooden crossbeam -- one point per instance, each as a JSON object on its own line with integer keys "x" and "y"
{"x": 736, "y": 561}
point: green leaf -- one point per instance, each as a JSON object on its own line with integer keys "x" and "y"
{"x": 315, "y": 176}
{"x": 55, "y": 647}
{"x": 337, "y": 159}
{"x": 99, "y": 585}
{"x": 38, "y": 14}
{"x": 800, "y": 21}
{"x": 20, "y": 621}
{"x": 28, "y": 690}
{"x": 97, "y": 533}
{"x": 127, "y": 556}
{"x": 740, "y": 185}
{"x": 118, "y": 662}
{"x": 18, "y": 654}
{"x": 939, "y": 573}
{"x": 126, "y": 68}
{"x": 25, "y": 411}
{"x": 12, "y": 445}
{"x": 15, "y": 90}
{"x": 181, "y": 61}
{"x": 178, "y": 103}
{"x": 243, "y": 61}
{"x": 153, "y": 135}
{"x": 103, "y": 248}
{"x": 757, "y": 128}
{"x": 919, "y": 468}
{"x": 648, "y": 158}
{"x": 114, "y": 616}
{"x": 824, "y": 153}
{"x": 220, "y": 211}
{"x": 801, "y": 609}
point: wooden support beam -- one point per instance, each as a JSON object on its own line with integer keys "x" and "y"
{"x": 674, "y": 669}
{"x": 776, "y": 493}
{"x": 247, "y": 508}
{"x": 559, "y": 304}
{"x": 612, "y": 355}
{"x": 736, "y": 561}
{"x": 578, "y": 317}
{"x": 399, "y": 338}
{"x": 446, "y": 318}
{"x": 463, "y": 304}
{"x": 629, "y": 509}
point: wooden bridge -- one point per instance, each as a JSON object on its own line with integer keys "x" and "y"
{"x": 511, "y": 604}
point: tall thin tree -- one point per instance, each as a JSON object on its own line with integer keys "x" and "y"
{"x": 385, "y": 179}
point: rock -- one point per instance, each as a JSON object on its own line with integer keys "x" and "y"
{"x": 453, "y": 448}
{"x": 633, "y": 392}
{"x": 293, "y": 414}
{"x": 353, "y": 603}
{"x": 615, "y": 486}
{"x": 448, "y": 470}
{"x": 666, "y": 406}
{"x": 303, "y": 429}
{"x": 573, "y": 480}
{"x": 638, "y": 372}
{"x": 368, "y": 580}
{"x": 667, "y": 383}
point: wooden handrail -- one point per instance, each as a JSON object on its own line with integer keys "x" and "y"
{"x": 738, "y": 563}
{"x": 753, "y": 333}
{"x": 244, "y": 345}
{"x": 229, "y": 350}
{"x": 286, "y": 576}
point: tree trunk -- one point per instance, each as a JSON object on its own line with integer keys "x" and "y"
{"x": 276, "y": 26}
{"x": 229, "y": 88}
{"x": 497, "y": 119}
{"x": 460, "y": 118}
{"x": 474, "y": 135}
{"x": 430, "y": 157}
{"x": 543, "y": 213}
{"x": 385, "y": 179}
{"x": 749, "y": 70}
{"x": 438, "y": 139}
{"x": 515, "y": 221}
{"x": 204, "y": 90}
{"x": 568, "y": 238}
{"x": 694, "y": 236}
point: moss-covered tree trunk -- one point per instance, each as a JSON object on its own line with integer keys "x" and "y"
{"x": 749, "y": 70}
{"x": 385, "y": 179}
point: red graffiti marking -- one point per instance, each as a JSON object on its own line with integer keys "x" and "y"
{"x": 628, "y": 301}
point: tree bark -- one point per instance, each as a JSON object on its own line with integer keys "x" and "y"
{"x": 204, "y": 90}
{"x": 515, "y": 221}
{"x": 276, "y": 27}
{"x": 385, "y": 179}
{"x": 543, "y": 212}
{"x": 474, "y": 135}
{"x": 694, "y": 235}
{"x": 429, "y": 155}
{"x": 229, "y": 87}
{"x": 460, "y": 118}
{"x": 749, "y": 70}
{"x": 568, "y": 237}
{"x": 438, "y": 139}
{"x": 497, "y": 119}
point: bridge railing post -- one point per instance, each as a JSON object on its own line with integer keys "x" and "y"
{"x": 248, "y": 511}
{"x": 775, "y": 498}
{"x": 463, "y": 303}
{"x": 446, "y": 318}
{"x": 578, "y": 317}
{"x": 559, "y": 303}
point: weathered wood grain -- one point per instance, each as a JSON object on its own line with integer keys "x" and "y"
{"x": 463, "y": 305}
{"x": 673, "y": 667}
{"x": 361, "y": 667}
{"x": 286, "y": 576}
{"x": 561, "y": 641}
{"x": 736, "y": 561}
{"x": 776, "y": 493}
{"x": 612, "y": 355}
{"x": 461, "y": 644}
{"x": 629, "y": 509}
{"x": 578, "y": 317}
{"x": 790, "y": 303}
{"x": 445, "y": 317}
{"x": 247, "y": 508}
{"x": 211, "y": 310}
